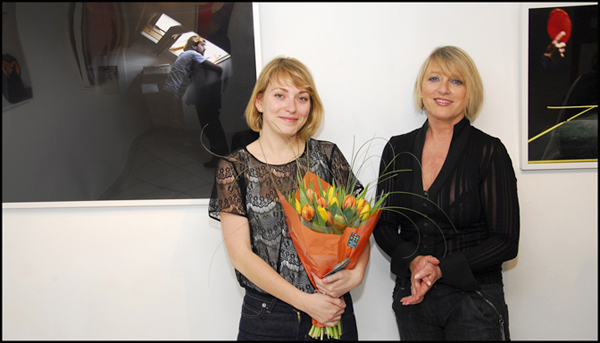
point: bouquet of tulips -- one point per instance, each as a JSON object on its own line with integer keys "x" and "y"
{"x": 330, "y": 229}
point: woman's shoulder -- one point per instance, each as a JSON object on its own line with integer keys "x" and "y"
{"x": 235, "y": 158}
{"x": 315, "y": 141}
{"x": 323, "y": 145}
{"x": 404, "y": 138}
{"x": 484, "y": 137}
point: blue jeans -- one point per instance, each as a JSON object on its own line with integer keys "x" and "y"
{"x": 266, "y": 318}
{"x": 447, "y": 313}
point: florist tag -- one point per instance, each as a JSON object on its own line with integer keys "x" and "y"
{"x": 353, "y": 240}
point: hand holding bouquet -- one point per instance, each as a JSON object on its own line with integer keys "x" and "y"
{"x": 330, "y": 229}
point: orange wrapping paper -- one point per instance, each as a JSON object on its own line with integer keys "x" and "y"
{"x": 320, "y": 252}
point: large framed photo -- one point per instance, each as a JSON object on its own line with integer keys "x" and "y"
{"x": 103, "y": 126}
{"x": 560, "y": 86}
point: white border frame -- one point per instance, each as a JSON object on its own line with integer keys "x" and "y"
{"x": 525, "y": 165}
{"x": 150, "y": 202}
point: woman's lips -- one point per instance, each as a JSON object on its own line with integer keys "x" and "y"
{"x": 442, "y": 102}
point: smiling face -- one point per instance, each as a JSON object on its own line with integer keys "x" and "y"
{"x": 443, "y": 95}
{"x": 285, "y": 108}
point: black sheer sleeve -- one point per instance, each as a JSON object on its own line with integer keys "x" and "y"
{"x": 393, "y": 178}
{"x": 500, "y": 204}
{"x": 342, "y": 171}
{"x": 228, "y": 189}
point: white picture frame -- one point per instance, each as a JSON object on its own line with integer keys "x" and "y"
{"x": 139, "y": 202}
{"x": 529, "y": 160}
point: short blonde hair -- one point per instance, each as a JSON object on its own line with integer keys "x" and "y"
{"x": 287, "y": 70}
{"x": 193, "y": 42}
{"x": 456, "y": 62}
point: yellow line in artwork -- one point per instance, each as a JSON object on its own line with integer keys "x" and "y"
{"x": 564, "y": 161}
{"x": 559, "y": 107}
{"x": 559, "y": 124}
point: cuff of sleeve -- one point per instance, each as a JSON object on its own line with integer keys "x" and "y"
{"x": 401, "y": 259}
{"x": 457, "y": 273}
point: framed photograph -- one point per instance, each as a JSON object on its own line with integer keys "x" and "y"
{"x": 560, "y": 86}
{"x": 103, "y": 125}
{"x": 16, "y": 83}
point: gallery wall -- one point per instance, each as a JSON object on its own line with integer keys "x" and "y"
{"x": 159, "y": 270}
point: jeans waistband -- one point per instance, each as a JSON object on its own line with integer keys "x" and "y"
{"x": 268, "y": 297}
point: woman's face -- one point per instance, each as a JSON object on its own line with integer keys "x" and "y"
{"x": 285, "y": 108}
{"x": 443, "y": 95}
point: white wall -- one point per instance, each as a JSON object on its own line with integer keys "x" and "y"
{"x": 131, "y": 270}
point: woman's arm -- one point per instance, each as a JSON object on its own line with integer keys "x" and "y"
{"x": 500, "y": 205}
{"x": 345, "y": 280}
{"x": 236, "y": 232}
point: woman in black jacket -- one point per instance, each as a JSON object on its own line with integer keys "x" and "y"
{"x": 453, "y": 218}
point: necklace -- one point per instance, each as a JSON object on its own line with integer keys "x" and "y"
{"x": 263, "y": 152}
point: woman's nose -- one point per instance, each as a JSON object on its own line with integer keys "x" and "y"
{"x": 291, "y": 106}
{"x": 443, "y": 89}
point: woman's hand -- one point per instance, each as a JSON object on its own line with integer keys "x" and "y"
{"x": 345, "y": 280}
{"x": 338, "y": 284}
{"x": 425, "y": 271}
{"x": 323, "y": 308}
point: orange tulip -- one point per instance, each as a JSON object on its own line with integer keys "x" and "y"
{"x": 349, "y": 202}
{"x": 329, "y": 220}
{"x": 308, "y": 212}
{"x": 339, "y": 222}
{"x": 310, "y": 194}
{"x": 322, "y": 201}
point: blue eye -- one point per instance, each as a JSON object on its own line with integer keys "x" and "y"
{"x": 433, "y": 79}
{"x": 457, "y": 82}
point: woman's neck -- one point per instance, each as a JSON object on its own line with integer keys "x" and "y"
{"x": 279, "y": 149}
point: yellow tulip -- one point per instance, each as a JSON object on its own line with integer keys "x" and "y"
{"x": 298, "y": 207}
{"x": 333, "y": 200}
{"x": 359, "y": 204}
{"x": 322, "y": 213}
{"x": 364, "y": 212}
{"x": 330, "y": 193}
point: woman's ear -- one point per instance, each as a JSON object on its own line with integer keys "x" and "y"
{"x": 258, "y": 103}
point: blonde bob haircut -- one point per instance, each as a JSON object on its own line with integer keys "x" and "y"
{"x": 287, "y": 70}
{"x": 454, "y": 62}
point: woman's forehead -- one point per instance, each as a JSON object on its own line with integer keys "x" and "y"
{"x": 284, "y": 81}
{"x": 444, "y": 67}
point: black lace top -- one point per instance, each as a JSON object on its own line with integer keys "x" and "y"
{"x": 244, "y": 186}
